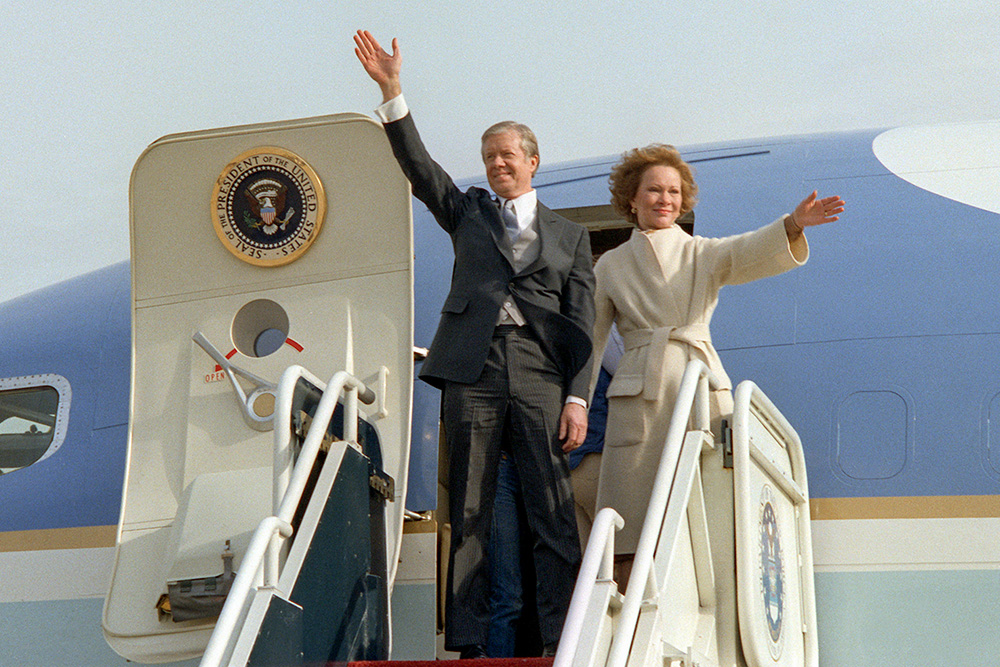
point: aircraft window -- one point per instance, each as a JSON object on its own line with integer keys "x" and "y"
{"x": 33, "y": 417}
{"x": 991, "y": 418}
{"x": 873, "y": 433}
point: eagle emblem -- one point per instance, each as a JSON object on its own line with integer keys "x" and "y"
{"x": 266, "y": 198}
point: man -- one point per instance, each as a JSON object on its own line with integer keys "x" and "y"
{"x": 511, "y": 355}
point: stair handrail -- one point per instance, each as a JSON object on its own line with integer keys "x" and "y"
{"x": 598, "y": 563}
{"x": 287, "y": 488}
{"x": 284, "y": 431}
{"x": 263, "y": 551}
{"x": 693, "y": 393}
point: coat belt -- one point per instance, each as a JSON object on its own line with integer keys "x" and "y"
{"x": 696, "y": 336}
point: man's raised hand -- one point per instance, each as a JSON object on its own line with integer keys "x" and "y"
{"x": 381, "y": 66}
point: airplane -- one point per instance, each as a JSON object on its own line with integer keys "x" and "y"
{"x": 879, "y": 351}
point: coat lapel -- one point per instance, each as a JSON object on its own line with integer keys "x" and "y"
{"x": 550, "y": 231}
{"x": 650, "y": 269}
{"x": 491, "y": 210}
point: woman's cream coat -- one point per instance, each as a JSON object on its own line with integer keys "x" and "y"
{"x": 661, "y": 288}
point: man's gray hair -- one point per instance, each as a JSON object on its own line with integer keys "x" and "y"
{"x": 529, "y": 144}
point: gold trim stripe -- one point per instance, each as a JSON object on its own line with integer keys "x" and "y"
{"x": 906, "y": 507}
{"x": 87, "y": 537}
{"x": 825, "y": 509}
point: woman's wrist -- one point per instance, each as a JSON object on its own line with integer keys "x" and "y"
{"x": 792, "y": 228}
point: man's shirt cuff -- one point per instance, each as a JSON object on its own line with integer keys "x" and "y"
{"x": 393, "y": 110}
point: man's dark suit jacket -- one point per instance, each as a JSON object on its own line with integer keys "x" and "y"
{"x": 555, "y": 293}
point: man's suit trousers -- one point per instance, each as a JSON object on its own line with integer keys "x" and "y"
{"x": 516, "y": 404}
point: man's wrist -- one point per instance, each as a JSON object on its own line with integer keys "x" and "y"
{"x": 390, "y": 90}
{"x": 576, "y": 399}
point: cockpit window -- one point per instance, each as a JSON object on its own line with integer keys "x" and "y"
{"x": 33, "y": 416}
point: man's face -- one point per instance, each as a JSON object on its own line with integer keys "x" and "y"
{"x": 508, "y": 169}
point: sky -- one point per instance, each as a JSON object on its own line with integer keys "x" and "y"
{"x": 86, "y": 87}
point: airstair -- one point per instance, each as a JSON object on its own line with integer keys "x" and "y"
{"x": 723, "y": 570}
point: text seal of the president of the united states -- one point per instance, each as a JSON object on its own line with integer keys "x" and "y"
{"x": 268, "y": 206}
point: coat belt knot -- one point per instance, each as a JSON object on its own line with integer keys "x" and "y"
{"x": 696, "y": 336}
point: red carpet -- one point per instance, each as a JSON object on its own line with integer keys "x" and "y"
{"x": 480, "y": 662}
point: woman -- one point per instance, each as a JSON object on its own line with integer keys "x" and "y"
{"x": 660, "y": 287}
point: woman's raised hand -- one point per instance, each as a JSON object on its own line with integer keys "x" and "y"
{"x": 812, "y": 211}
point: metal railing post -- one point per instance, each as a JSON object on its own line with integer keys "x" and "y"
{"x": 598, "y": 563}
{"x": 233, "y": 610}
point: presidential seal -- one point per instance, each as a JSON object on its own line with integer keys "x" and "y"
{"x": 772, "y": 573}
{"x": 268, "y": 206}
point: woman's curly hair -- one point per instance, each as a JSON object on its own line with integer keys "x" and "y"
{"x": 627, "y": 174}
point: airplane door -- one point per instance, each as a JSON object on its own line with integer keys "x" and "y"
{"x": 275, "y": 244}
{"x": 775, "y": 596}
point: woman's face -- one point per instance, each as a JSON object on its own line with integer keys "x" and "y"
{"x": 657, "y": 202}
